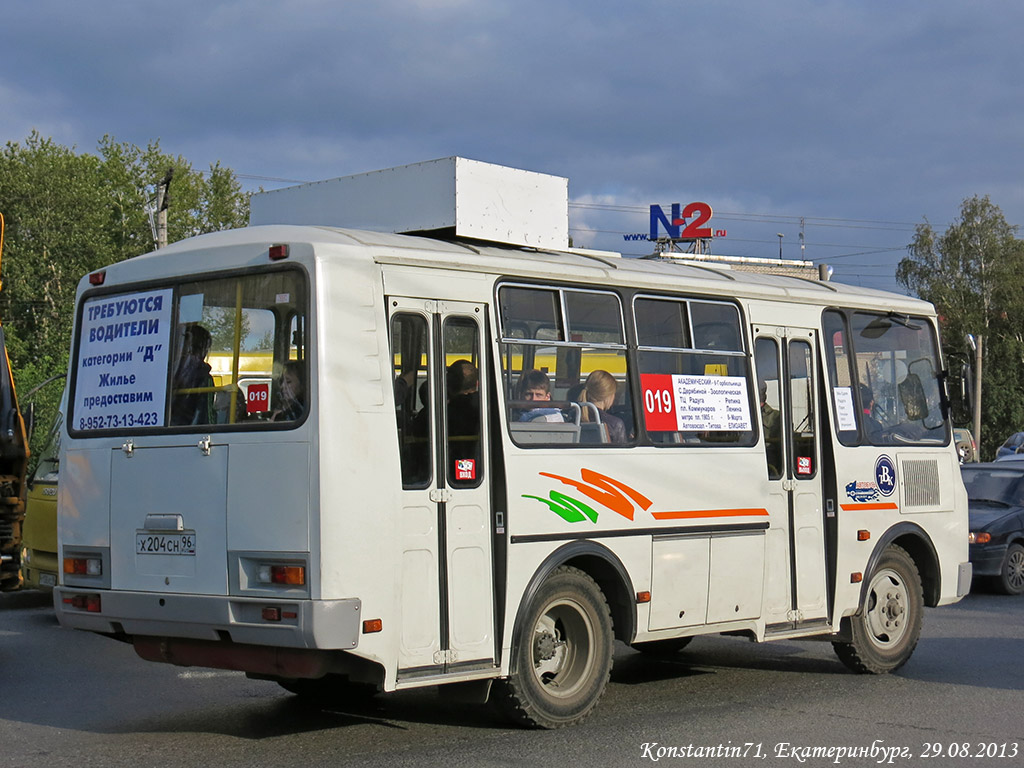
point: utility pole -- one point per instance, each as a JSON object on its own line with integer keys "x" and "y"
{"x": 977, "y": 391}
{"x": 162, "y": 201}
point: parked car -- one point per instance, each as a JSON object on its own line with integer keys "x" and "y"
{"x": 965, "y": 445}
{"x": 995, "y": 493}
{"x": 40, "y": 567}
{"x": 1014, "y": 444}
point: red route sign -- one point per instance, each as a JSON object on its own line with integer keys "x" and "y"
{"x": 659, "y": 401}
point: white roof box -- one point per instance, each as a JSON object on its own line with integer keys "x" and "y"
{"x": 448, "y": 197}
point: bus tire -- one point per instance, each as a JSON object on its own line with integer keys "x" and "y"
{"x": 887, "y": 626}
{"x": 662, "y": 647}
{"x": 562, "y": 654}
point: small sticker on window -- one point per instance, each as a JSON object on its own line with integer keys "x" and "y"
{"x": 803, "y": 465}
{"x": 465, "y": 469}
{"x": 283, "y": 298}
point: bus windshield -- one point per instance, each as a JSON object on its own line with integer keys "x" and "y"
{"x": 885, "y": 376}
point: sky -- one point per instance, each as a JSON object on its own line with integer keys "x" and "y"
{"x": 847, "y": 122}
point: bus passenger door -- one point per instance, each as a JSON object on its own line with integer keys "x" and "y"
{"x": 796, "y": 579}
{"x": 446, "y": 579}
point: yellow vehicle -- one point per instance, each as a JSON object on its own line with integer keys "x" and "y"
{"x": 13, "y": 463}
{"x": 39, "y": 564}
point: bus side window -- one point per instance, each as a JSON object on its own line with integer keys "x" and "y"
{"x": 410, "y": 353}
{"x": 770, "y": 400}
{"x": 801, "y": 404}
{"x": 573, "y": 358}
{"x": 668, "y": 351}
{"x": 464, "y": 457}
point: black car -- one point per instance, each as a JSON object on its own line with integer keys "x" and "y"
{"x": 995, "y": 494}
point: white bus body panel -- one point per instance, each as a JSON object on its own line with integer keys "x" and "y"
{"x": 330, "y": 491}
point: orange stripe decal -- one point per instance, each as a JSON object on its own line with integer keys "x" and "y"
{"x": 606, "y": 491}
{"x": 867, "y": 507}
{"x": 697, "y": 513}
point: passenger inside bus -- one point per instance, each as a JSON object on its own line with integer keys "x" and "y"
{"x": 463, "y": 383}
{"x": 193, "y": 373}
{"x": 534, "y": 386}
{"x": 421, "y": 420}
{"x": 599, "y": 389}
{"x": 771, "y": 423}
{"x": 291, "y": 393}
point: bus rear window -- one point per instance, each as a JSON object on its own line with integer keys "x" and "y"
{"x": 202, "y": 354}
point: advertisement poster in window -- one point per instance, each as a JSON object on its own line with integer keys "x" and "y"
{"x": 122, "y": 361}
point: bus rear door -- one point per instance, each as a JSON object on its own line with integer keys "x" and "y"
{"x": 446, "y": 591}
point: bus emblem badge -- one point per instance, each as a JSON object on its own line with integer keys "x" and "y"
{"x": 885, "y": 475}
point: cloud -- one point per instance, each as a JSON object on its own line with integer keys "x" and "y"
{"x": 866, "y": 111}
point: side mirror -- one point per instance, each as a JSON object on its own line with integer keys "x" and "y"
{"x": 967, "y": 386}
{"x": 912, "y": 396}
{"x": 921, "y": 393}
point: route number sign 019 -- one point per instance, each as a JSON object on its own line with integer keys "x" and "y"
{"x": 257, "y": 398}
{"x": 677, "y": 403}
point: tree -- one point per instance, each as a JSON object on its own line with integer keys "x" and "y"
{"x": 69, "y": 214}
{"x": 971, "y": 274}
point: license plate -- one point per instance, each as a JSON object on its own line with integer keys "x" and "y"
{"x": 180, "y": 543}
{"x": 47, "y": 580}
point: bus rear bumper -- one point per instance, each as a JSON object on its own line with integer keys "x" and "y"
{"x": 301, "y": 624}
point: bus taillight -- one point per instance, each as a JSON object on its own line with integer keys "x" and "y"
{"x": 90, "y": 603}
{"x": 289, "y": 575}
{"x": 83, "y": 566}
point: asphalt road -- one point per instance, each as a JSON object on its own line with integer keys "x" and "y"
{"x": 75, "y": 699}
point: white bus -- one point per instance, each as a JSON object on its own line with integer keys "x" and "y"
{"x": 385, "y": 507}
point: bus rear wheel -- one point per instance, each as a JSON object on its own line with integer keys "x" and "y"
{"x": 886, "y": 628}
{"x": 562, "y": 654}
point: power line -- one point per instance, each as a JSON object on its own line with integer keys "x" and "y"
{"x": 767, "y": 218}
{"x": 251, "y": 177}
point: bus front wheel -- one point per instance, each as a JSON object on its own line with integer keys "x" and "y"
{"x": 562, "y": 655}
{"x": 885, "y": 630}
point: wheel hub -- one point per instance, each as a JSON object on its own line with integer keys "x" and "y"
{"x": 888, "y": 611}
{"x": 893, "y": 608}
{"x": 544, "y": 644}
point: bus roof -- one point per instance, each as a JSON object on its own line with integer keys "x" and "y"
{"x": 608, "y": 268}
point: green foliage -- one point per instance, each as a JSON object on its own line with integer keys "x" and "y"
{"x": 971, "y": 273}
{"x": 68, "y": 214}
{"x": 220, "y": 322}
